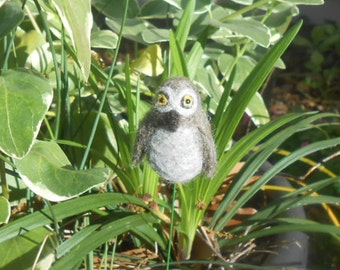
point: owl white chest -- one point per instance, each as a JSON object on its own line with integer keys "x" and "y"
{"x": 176, "y": 156}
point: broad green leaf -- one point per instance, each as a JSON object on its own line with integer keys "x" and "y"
{"x": 115, "y": 9}
{"x": 21, "y": 251}
{"x": 66, "y": 209}
{"x": 209, "y": 83}
{"x": 155, "y": 9}
{"x": 244, "y": 65}
{"x": 25, "y": 99}
{"x": 154, "y": 35}
{"x": 5, "y": 210}
{"x": 104, "y": 39}
{"x": 132, "y": 28}
{"x": 47, "y": 172}
{"x": 257, "y": 110}
{"x": 76, "y": 17}
{"x": 11, "y": 15}
{"x": 252, "y": 29}
{"x": 150, "y": 62}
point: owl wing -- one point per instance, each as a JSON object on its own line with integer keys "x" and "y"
{"x": 209, "y": 150}
{"x": 144, "y": 133}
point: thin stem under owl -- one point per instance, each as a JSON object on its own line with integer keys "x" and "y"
{"x": 171, "y": 228}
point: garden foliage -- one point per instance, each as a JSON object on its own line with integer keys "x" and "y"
{"x": 77, "y": 77}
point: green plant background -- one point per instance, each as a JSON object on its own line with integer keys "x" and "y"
{"x": 76, "y": 79}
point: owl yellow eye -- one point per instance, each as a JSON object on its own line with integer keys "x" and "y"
{"x": 162, "y": 100}
{"x": 187, "y": 101}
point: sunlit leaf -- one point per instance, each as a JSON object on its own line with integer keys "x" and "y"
{"x": 244, "y": 66}
{"x": 47, "y": 172}
{"x": 132, "y": 28}
{"x": 5, "y": 210}
{"x": 150, "y": 62}
{"x": 25, "y": 99}
{"x": 155, "y": 35}
{"x": 252, "y": 29}
{"x": 257, "y": 110}
{"x": 104, "y": 39}
{"x": 77, "y": 20}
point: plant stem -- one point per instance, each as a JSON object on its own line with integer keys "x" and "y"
{"x": 171, "y": 228}
{"x": 8, "y": 50}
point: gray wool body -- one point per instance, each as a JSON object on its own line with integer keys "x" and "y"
{"x": 176, "y": 135}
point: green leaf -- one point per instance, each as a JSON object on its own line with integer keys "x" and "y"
{"x": 5, "y": 210}
{"x": 104, "y": 39}
{"x": 21, "y": 251}
{"x": 132, "y": 28}
{"x": 115, "y": 9}
{"x": 244, "y": 65}
{"x": 150, "y": 62}
{"x": 25, "y": 99}
{"x": 11, "y": 15}
{"x": 152, "y": 36}
{"x": 77, "y": 20}
{"x": 47, "y": 172}
{"x": 252, "y": 29}
{"x": 257, "y": 110}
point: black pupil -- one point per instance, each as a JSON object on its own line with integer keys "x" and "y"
{"x": 161, "y": 100}
{"x": 187, "y": 101}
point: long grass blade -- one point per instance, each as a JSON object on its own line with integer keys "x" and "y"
{"x": 256, "y": 161}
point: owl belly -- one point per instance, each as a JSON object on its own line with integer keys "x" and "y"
{"x": 176, "y": 156}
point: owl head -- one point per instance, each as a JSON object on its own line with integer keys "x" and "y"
{"x": 179, "y": 95}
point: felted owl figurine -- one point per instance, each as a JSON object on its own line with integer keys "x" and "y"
{"x": 176, "y": 135}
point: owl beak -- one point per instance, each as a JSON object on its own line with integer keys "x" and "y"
{"x": 170, "y": 120}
